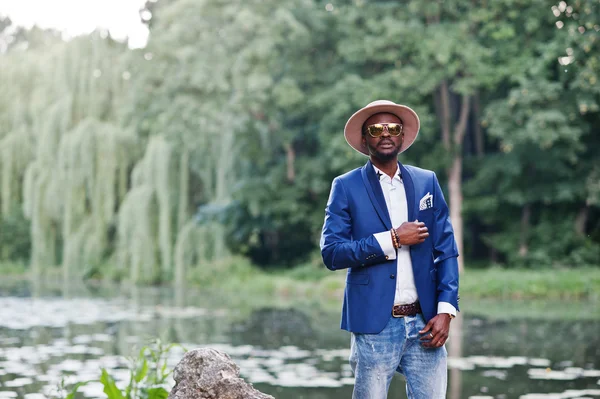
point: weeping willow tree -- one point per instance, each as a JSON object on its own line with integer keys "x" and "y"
{"x": 195, "y": 248}
{"x": 93, "y": 161}
{"x": 83, "y": 173}
{"x": 78, "y": 173}
{"x": 16, "y": 151}
{"x": 16, "y": 135}
{"x": 146, "y": 218}
{"x": 78, "y": 188}
{"x": 41, "y": 188}
{"x": 204, "y": 111}
{"x": 66, "y": 158}
{"x": 137, "y": 233}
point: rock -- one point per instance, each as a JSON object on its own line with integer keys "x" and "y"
{"x": 207, "y": 373}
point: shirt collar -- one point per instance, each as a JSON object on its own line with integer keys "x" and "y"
{"x": 383, "y": 176}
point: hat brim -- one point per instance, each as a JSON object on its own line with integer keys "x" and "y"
{"x": 410, "y": 124}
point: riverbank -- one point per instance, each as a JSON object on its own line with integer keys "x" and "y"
{"x": 567, "y": 284}
{"x": 313, "y": 280}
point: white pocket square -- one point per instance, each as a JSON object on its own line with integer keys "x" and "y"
{"x": 426, "y": 202}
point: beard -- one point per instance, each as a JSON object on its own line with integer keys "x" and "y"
{"x": 384, "y": 157}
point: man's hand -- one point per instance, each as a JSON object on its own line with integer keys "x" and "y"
{"x": 411, "y": 233}
{"x": 436, "y": 331}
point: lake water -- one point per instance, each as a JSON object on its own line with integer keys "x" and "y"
{"x": 287, "y": 349}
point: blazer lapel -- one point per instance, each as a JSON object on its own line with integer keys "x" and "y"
{"x": 376, "y": 194}
{"x": 409, "y": 187}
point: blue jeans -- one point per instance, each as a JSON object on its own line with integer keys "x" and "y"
{"x": 375, "y": 358}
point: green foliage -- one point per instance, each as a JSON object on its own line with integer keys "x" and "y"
{"x": 15, "y": 241}
{"x": 16, "y": 269}
{"x": 110, "y": 387}
{"x": 235, "y": 111}
{"x": 148, "y": 376}
{"x": 73, "y": 393}
{"x": 211, "y": 274}
{"x": 557, "y": 283}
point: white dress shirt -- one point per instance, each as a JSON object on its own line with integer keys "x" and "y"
{"x": 395, "y": 199}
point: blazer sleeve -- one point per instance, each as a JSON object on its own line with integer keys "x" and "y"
{"x": 445, "y": 252}
{"x": 338, "y": 249}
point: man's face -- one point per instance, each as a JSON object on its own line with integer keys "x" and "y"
{"x": 385, "y": 147}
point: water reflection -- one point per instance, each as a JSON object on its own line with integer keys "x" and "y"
{"x": 274, "y": 328}
{"x": 455, "y": 351}
{"x": 295, "y": 351}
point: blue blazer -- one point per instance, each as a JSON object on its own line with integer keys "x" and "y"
{"x": 356, "y": 210}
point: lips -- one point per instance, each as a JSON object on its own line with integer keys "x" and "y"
{"x": 386, "y": 144}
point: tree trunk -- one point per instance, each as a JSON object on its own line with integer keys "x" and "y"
{"x": 479, "y": 144}
{"x": 444, "y": 114}
{"x": 453, "y": 141}
{"x": 493, "y": 255}
{"x": 581, "y": 220}
{"x": 524, "y": 238}
{"x": 291, "y": 158}
{"x": 456, "y": 199}
{"x": 184, "y": 178}
{"x": 455, "y": 178}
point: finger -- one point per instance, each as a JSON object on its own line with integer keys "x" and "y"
{"x": 440, "y": 341}
{"x": 424, "y": 235}
{"x": 427, "y": 337}
{"x": 429, "y": 342}
{"x": 431, "y": 345}
{"x": 436, "y": 341}
{"x": 427, "y": 327}
{"x": 440, "y": 336}
{"x": 419, "y": 224}
{"x": 417, "y": 239}
{"x": 423, "y": 228}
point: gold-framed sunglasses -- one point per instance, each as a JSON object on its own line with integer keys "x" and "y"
{"x": 376, "y": 130}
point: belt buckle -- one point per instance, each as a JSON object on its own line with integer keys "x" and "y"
{"x": 398, "y": 316}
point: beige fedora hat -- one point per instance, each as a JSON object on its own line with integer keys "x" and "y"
{"x": 410, "y": 123}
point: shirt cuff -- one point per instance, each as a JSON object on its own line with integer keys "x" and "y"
{"x": 445, "y": 307}
{"x": 385, "y": 242}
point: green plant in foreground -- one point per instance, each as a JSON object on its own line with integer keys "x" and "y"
{"x": 148, "y": 375}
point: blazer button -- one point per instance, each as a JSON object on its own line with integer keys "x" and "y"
{"x": 387, "y": 257}
{"x": 392, "y": 276}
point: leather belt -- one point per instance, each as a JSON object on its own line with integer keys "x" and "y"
{"x": 411, "y": 309}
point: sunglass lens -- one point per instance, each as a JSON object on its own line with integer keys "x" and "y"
{"x": 375, "y": 130}
{"x": 394, "y": 129}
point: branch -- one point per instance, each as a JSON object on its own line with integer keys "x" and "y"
{"x": 461, "y": 127}
{"x": 445, "y": 113}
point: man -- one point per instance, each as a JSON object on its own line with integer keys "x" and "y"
{"x": 388, "y": 225}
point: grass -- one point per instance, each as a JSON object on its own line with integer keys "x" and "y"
{"x": 494, "y": 293}
{"x": 498, "y": 283}
{"x": 13, "y": 269}
{"x": 313, "y": 280}
{"x": 549, "y": 284}
{"x": 532, "y": 309}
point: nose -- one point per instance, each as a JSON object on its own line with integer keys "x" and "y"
{"x": 386, "y": 132}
